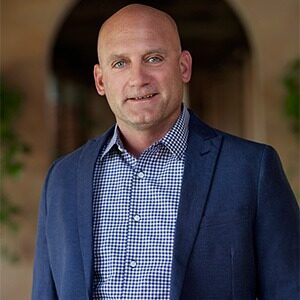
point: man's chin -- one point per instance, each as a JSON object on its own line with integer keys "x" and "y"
{"x": 142, "y": 120}
{"x": 143, "y": 125}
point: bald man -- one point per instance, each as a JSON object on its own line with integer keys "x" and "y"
{"x": 162, "y": 206}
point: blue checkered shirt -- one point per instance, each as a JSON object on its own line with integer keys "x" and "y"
{"x": 135, "y": 203}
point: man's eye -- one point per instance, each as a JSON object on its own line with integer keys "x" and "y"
{"x": 118, "y": 64}
{"x": 154, "y": 59}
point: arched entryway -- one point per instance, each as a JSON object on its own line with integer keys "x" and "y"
{"x": 210, "y": 30}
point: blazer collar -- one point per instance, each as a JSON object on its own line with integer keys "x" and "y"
{"x": 201, "y": 157}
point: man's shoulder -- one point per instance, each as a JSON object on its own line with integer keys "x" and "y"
{"x": 231, "y": 143}
{"x": 70, "y": 161}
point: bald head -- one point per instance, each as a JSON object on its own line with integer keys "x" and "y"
{"x": 138, "y": 16}
{"x": 142, "y": 70}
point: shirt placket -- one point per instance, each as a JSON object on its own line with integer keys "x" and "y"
{"x": 134, "y": 262}
{"x": 129, "y": 262}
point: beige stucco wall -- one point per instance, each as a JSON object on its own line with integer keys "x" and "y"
{"x": 274, "y": 31}
{"x": 27, "y": 30}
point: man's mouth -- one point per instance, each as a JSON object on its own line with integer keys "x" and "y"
{"x": 145, "y": 97}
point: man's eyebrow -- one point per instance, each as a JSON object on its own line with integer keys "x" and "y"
{"x": 158, "y": 50}
{"x": 113, "y": 56}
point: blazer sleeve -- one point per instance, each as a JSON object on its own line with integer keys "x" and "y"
{"x": 276, "y": 232}
{"x": 43, "y": 284}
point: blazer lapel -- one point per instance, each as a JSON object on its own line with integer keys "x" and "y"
{"x": 201, "y": 157}
{"x": 85, "y": 172}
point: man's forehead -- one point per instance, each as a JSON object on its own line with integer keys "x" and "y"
{"x": 137, "y": 13}
{"x": 137, "y": 27}
{"x": 135, "y": 34}
{"x": 138, "y": 22}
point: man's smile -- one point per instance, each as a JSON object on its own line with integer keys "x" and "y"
{"x": 144, "y": 97}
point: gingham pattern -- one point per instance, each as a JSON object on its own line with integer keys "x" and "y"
{"x": 135, "y": 204}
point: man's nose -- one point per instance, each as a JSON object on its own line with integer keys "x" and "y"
{"x": 138, "y": 75}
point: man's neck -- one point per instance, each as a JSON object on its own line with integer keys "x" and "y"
{"x": 136, "y": 141}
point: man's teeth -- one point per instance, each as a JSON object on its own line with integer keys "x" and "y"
{"x": 143, "y": 97}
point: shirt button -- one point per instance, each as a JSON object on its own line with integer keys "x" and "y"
{"x": 136, "y": 218}
{"x": 132, "y": 264}
{"x": 141, "y": 175}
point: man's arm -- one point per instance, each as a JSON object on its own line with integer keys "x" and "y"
{"x": 277, "y": 233}
{"x": 43, "y": 284}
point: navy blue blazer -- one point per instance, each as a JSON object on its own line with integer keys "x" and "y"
{"x": 237, "y": 231}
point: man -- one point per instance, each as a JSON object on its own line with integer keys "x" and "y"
{"x": 162, "y": 206}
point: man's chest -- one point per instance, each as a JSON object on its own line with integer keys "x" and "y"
{"x": 135, "y": 207}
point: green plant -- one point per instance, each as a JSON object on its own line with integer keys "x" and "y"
{"x": 10, "y": 162}
{"x": 291, "y": 82}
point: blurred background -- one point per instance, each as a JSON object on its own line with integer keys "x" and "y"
{"x": 245, "y": 81}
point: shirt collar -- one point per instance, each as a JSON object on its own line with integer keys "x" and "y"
{"x": 114, "y": 141}
{"x": 175, "y": 139}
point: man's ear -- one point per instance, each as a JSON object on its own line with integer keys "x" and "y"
{"x": 98, "y": 77}
{"x": 185, "y": 65}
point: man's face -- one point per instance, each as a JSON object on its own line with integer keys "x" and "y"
{"x": 142, "y": 72}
